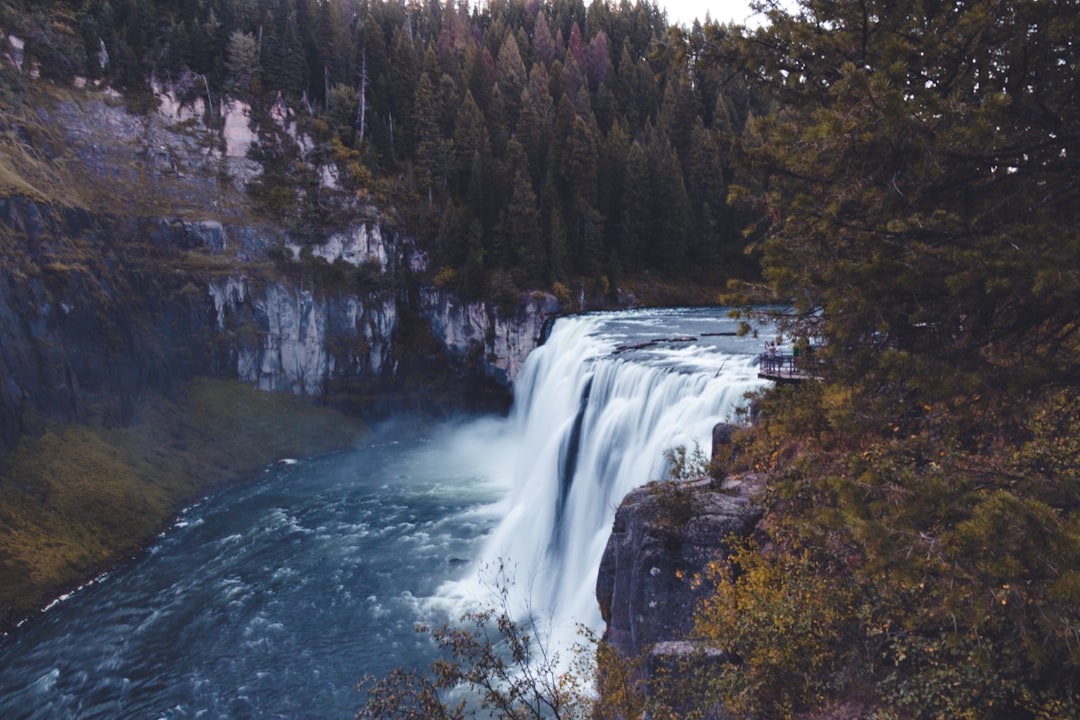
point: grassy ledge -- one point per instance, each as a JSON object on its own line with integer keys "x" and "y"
{"x": 80, "y": 499}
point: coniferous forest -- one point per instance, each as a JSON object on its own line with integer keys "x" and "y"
{"x": 526, "y": 143}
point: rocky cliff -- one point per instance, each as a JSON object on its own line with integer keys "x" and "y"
{"x": 499, "y": 339}
{"x": 654, "y": 571}
{"x": 85, "y": 323}
{"x": 164, "y": 273}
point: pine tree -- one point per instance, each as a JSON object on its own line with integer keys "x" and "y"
{"x": 534, "y": 126}
{"x": 543, "y": 45}
{"x": 708, "y": 200}
{"x": 575, "y": 86}
{"x": 524, "y": 233}
{"x": 636, "y": 219}
{"x": 468, "y": 136}
{"x": 671, "y": 208}
{"x": 556, "y": 242}
{"x": 480, "y": 70}
{"x": 432, "y": 150}
{"x": 242, "y": 62}
{"x": 404, "y": 77}
{"x": 599, "y": 63}
{"x": 510, "y": 76}
{"x": 918, "y": 175}
{"x": 611, "y": 180}
{"x": 282, "y": 55}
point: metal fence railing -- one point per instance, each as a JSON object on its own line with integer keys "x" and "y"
{"x": 788, "y": 365}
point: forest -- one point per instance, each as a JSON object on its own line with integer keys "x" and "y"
{"x": 525, "y": 144}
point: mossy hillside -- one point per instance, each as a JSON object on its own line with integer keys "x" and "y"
{"x": 80, "y": 498}
{"x": 79, "y": 148}
{"x": 29, "y": 148}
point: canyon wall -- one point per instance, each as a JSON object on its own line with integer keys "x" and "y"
{"x": 143, "y": 264}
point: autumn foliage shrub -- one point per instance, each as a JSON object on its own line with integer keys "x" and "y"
{"x": 787, "y": 624}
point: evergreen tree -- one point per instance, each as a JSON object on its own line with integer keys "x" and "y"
{"x": 575, "y": 86}
{"x": 599, "y": 61}
{"x": 375, "y": 58}
{"x": 576, "y": 47}
{"x": 404, "y": 76}
{"x": 909, "y": 221}
{"x": 432, "y": 150}
{"x": 612, "y": 181}
{"x": 480, "y": 70}
{"x": 498, "y": 121}
{"x": 636, "y": 218}
{"x": 919, "y": 182}
{"x": 556, "y": 241}
{"x": 671, "y": 212}
{"x": 708, "y": 201}
{"x": 510, "y": 75}
{"x": 524, "y": 232}
{"x": 468, "y": 136}
{"x": 534, "y": 127}
{"x": 243, "y": 62}
{"x": 543, "y": 45}
{"x": 282, "y": 55}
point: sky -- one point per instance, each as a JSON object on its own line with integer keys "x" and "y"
{"x": 683, "y": 12}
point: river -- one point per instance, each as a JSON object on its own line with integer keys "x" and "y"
{"x": 272, "y": 598}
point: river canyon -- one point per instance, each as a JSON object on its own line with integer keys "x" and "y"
{"x": 273, "y": 597}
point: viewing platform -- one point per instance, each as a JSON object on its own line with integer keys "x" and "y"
{"x": 788, "y": 367}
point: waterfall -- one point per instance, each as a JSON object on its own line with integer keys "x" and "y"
{"x": 595, "y": 407}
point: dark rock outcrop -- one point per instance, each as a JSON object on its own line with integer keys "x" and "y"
{"x": 678, "y": 672}
{"x": 723, "y": 435}
{"x": 84, "y": 326}
{"x": 654, "y": 569}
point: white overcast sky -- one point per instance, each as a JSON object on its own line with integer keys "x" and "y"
{"x": 683, "y": 12}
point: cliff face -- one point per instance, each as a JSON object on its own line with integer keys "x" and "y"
{"x": 500, "y": 340}
{"x": 288, "y": 338}
{"x": 170, "y": 276}
{"x": 81, "y": 331}
{"x": 302, "y": 335}
{"x": 655, "y": 573}
{"x": 654, "y": 570}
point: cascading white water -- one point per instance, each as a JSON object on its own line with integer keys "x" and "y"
{"x": 593, "y": 413}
